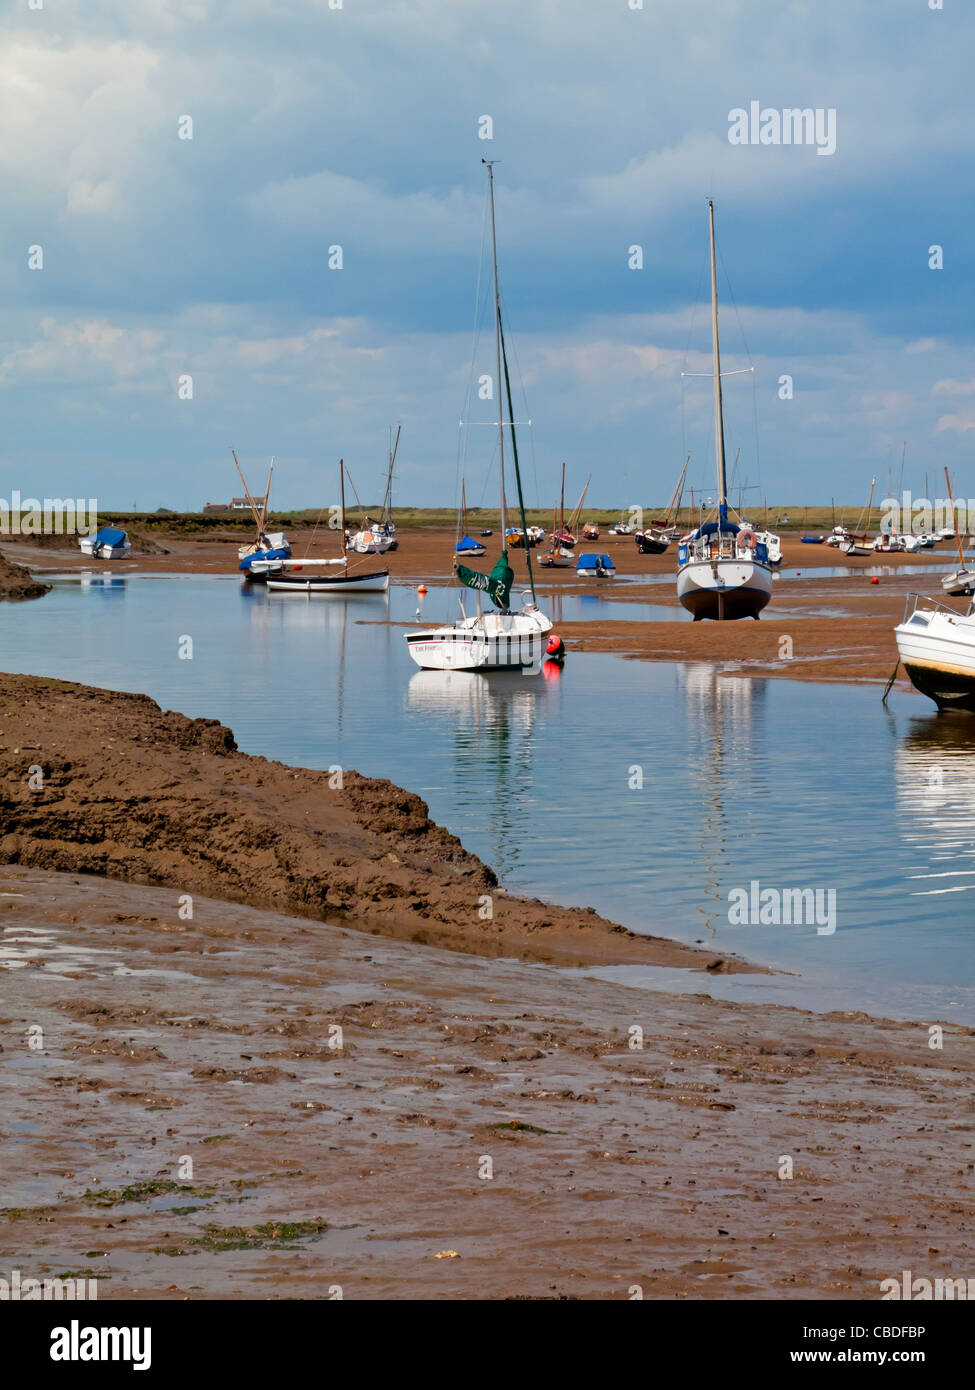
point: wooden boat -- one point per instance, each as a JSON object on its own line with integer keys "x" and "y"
{"x": 501, "y": 640}
{"x": 267, "y": 548}
{"x": 858, "y": 542}
{"x": 723, "y": 571}
{"x": 307, "y": 576}
{"x": 559, "y": 557}
{"x": 655, "y": 540}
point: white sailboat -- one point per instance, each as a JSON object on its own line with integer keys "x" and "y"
{"x": 723, "y": 571}
{"x": 502, "y": 640}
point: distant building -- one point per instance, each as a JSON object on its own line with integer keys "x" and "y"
{"x": 239, "y": 504}
{"x": 216, "y": 507}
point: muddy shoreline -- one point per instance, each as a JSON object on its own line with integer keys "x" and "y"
{"x": 134, "y": 1040}
{"x": 94, "y": 781}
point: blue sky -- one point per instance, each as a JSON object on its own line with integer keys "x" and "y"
{"x": 358, "y": 126}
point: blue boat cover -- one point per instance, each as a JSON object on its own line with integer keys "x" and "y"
{"x": 595, "y": 562}
{"x": 109, "y": 536}
{"x": 468, "y": 544}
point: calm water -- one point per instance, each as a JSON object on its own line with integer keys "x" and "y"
{"x": 792, "y": 785}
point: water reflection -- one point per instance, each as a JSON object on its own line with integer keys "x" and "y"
{"x": 491, "y": 722}
{"x": 719, "y": 711}
{"x": 935, "y": 778}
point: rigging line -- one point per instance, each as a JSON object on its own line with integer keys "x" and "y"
{"x": 475, "y": 339}
{"x": 751, "y": 361}
{"x": 524, "y": 397}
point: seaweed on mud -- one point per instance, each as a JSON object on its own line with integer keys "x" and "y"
{"x": 272, "y": 1235}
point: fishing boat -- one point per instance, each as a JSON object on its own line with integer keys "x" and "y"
{"x": 268, "y": 547}
{"x": 723, "y": 571}
{"x": 107, "y": 544}
{"x": 622, "y": 528}
{"x": 590, "y": 531}
{"x": 466, "y": 545}
{"x": 656, "y": 538}
{"x": 937, "y": 647}
{"x": 963, "y": 579}
{"x": 502, "y": 640}
{"x": 329, "y": 576}
{"x": 596, "y": 566}
{"x": 837, "y": 536}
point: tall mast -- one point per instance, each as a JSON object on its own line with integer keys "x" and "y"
{"x": 345, "y": 553}
{"x": 497, "y": 353}
{"x": 718, "y": 415}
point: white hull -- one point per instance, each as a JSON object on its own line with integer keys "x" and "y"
{"x": 725, "y": 588}
{"x": 960, "y": 583}
{"x": 937, "y": 647}
{"x": 494, "y": 642}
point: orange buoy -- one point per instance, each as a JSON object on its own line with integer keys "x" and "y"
{"x": 875, "y": 580}
{"x": 422, "y": 589}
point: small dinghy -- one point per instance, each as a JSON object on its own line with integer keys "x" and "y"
{"x": 108, "y": 544}
{"x": 813, "y": 540}
{"x": 596, "y": 566}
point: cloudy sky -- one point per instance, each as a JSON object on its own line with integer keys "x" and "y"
{"x": 316, "y": 125}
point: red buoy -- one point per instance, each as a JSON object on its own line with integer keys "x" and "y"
{"x": 422, "y": 589}
{"x": 875, "y": 580}
{"x": 554, "y": 644}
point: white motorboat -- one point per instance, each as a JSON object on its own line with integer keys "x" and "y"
{"x": 107, "y": 544}
{"x": 937, "y": 647}
{"x": 723, "y": 569}
{"x": 502, "y": 640}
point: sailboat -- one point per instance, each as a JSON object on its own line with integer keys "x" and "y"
{"x": 857, "y": 542}
{"x": 723, "y": 571}
{"x": 658, "y": 535}
{"x": 377, "y": 537}
{"x": 321, "y": 576}
{"x": 560, "y": 556}
{"x": 500, "y": 640}
{"x": 466, "y": 546}
{"x": 268, "y": 548}
{"x": 963, "y": 580}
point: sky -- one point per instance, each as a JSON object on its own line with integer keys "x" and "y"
{"x": 318, "y": 124}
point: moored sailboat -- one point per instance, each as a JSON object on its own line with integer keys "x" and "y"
{"x": 500, "y": 640}
{"x": 330, "y": 576}
{"x": 723, "y": 571}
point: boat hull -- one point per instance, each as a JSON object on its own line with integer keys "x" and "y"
{"x": 938, "y": 653}
{"x": 724, "y": 590}
{"x": 286, "y": 583}
{"x": 652, "y": 545}
{"x": 517, "y": 643}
